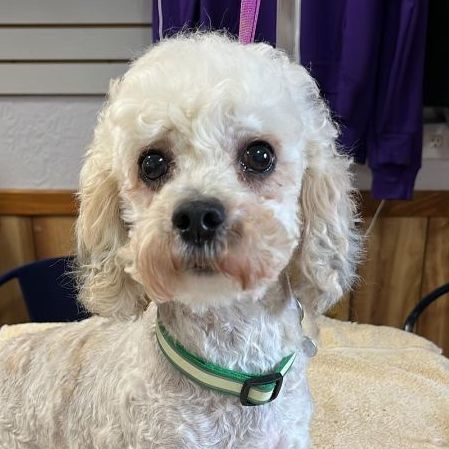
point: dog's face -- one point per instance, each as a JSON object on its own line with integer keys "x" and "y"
{"x": 199, "y": 157}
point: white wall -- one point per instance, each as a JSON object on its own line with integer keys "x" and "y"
{"x": 42, "y": 140}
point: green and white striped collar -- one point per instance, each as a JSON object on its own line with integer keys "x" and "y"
{"x": 251, "y": 389}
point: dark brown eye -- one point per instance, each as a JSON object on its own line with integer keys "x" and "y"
{"x": 153, "y": 165}
{"x": 258, "y": 157}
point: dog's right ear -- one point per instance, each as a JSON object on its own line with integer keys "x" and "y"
{"x": 105, "y": 288}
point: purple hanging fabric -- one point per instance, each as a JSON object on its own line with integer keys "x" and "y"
{"x": 187, "y": 15}
{"x": 249, "y": 12}
{"x": 368, "y": 59}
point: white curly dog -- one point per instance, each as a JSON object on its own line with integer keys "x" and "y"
{"x": 213, "y": 177}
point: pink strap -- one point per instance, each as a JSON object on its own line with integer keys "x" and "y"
{"x": 249, "y": 11}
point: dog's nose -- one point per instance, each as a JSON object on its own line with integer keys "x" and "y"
{"x": 198, "y": 221}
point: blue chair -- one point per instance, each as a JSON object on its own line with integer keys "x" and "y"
{"x": 49, "y": 290}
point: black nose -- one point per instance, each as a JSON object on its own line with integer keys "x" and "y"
{"x": 198, "y": 221}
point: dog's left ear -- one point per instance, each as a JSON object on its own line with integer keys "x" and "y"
{"x": 323, "y": 268}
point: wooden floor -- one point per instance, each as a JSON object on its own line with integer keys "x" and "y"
{"x": 407, "y": 256}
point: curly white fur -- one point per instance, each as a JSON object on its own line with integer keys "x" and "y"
{"x": 103, "y": 383}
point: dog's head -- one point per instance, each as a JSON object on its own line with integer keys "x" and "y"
{"x": 212, "y": 164}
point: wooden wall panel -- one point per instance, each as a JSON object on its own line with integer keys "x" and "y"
{"x": 53, "y": 236}
{"x": 391, "y": 276}
{"x": 16, "y": 248}
{"x": 434, "y": 322}
{"x": 342, "y": 310}
{"x": 424, "y": 204}
{"x": 38, "y": 202}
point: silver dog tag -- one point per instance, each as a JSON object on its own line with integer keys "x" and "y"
{"x": 309, "y": 347}
{"x": 300, "y": 309}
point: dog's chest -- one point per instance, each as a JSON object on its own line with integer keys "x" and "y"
{"x": 229, "y": 426}
{"x": 194, "y": 417}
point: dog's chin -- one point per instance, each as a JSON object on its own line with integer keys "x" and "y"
{"x": 205, "y": 287}
{"x": 201, "y": 270}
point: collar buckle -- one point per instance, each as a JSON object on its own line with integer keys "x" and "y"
{"x": 275, "y": 378}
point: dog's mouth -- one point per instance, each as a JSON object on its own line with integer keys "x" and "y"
{"x": 204, "y": 261}
{"x": 202, "y": 269}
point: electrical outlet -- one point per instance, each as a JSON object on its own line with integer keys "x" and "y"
{"x": 436, "y": 141}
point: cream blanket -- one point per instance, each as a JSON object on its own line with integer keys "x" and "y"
{"x": 374, "y": 388}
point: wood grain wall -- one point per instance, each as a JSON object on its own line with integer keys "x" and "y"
{"x": 34, "y": 225}
{"x": 16, "y": 248}
{"x": 23, "y": 240}
{"x": 407, "y": 255}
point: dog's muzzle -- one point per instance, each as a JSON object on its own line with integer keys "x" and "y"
{"x": 199, "y": 221}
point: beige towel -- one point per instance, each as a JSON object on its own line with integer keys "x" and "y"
{"x": 378, "y": 388}
{"x": 374, "y": 388}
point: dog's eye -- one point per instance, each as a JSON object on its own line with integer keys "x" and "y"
{"x": 258, "y": 157}
{"x": 153, "y": 165}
